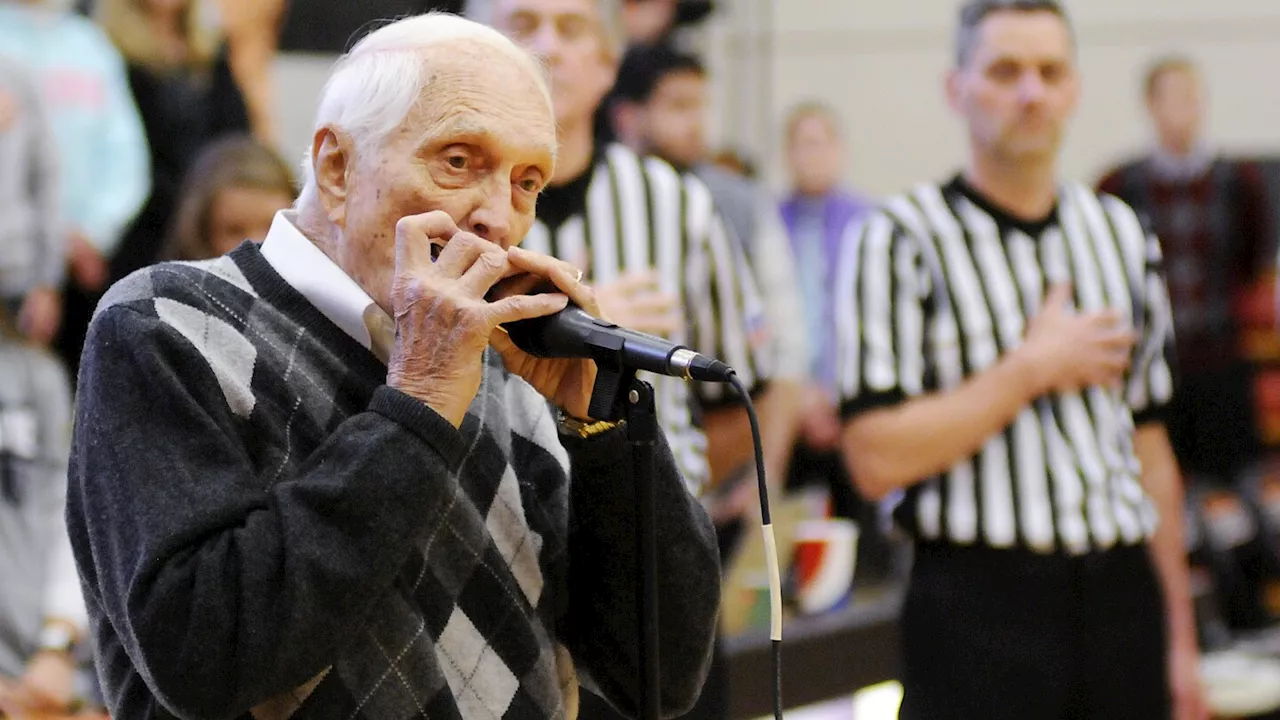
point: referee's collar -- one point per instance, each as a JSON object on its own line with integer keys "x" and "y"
{"x": 1002, "y": 217}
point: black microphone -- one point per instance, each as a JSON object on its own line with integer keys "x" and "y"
{"x": 573, "y": 333}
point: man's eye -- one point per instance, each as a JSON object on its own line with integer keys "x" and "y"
{"x": 457, "y": 162}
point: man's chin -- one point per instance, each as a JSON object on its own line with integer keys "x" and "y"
{"x": 1033, "y": 149}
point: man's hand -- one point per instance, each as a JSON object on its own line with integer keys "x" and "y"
{"x": 1064, "y": 351}
{"x": 636, "y": 301}
{"x": 46, "y": 687}
{"x": 565, "y": 382}
{"x": 819, "y": 426}
{"x": 88, "y": 268}
{"x": 443, "y": 322}
{"x": 40, "y": 315}
{"x": 1185, "y": 685}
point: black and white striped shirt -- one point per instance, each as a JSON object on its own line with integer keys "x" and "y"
{"x": 633, "y": 214}
{"x": 939, "y": 284}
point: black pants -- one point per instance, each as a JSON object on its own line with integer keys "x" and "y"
{"x": 996, "y": 634}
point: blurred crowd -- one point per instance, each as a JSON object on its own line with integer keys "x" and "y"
{"x": 138, "y": 131}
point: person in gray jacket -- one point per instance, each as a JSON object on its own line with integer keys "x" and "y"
{"x": 32, "y": 245}
{"x": 41, "y": 607}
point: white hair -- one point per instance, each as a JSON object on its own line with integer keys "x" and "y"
{"x": 374, "y": 86}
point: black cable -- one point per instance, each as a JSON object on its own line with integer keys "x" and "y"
{"x": 771, "y": 552}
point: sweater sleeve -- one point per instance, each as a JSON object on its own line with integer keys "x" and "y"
{"x": 223, "y": 587}
{"x": 602, "y": 620}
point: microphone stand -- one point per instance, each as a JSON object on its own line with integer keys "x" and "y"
{"x": 619, "y": 395}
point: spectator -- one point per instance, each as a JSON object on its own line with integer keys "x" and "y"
{"x": 816, "y": 215}
{"x": 231, "y": 194}
{"x": 42, "y": 615}
{"x": 1211, "y": 214}
{"x": 32, "y": 244}
{"x": 187, "y": 98}
{"x": 101, "y": 146}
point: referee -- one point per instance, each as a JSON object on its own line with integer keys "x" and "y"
{"x": 648, "y": 238}
{"x": 1004, "y": 357}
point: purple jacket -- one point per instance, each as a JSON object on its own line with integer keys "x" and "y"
{"x": 839, "y": 208}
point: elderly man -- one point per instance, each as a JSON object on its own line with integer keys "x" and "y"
{"x": 317, "y": 480}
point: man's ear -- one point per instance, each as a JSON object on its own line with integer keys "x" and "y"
{"x": 332, "y": 161}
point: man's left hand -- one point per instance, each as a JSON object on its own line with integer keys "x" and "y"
{"x": 48, "y": 686}
{"x": 1185, "y": 685}
{"x": 565, "y": 382}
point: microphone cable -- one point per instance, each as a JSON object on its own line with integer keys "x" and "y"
{"x": 770, "y": 545}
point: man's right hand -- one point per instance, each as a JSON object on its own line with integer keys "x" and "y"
{"x": 1064, "y": 351}
{"x": 636, "y": 301}
{"x": 443, "y": 322}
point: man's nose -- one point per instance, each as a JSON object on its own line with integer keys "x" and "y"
{"x": 1031, "y": 88}
{"x": 491, "y": 219}
{"x": 545, "y": 42}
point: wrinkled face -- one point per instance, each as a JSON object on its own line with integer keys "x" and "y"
{"x": 569, "y": 36}
{"x": 1019, "y": 87}
{"x": 480, "y": 145}
{"x": 815, "y": 154}
{"x": 1177, "y": 108}
{"x": 242, "y": 213}
{"x": 674, "y": 118}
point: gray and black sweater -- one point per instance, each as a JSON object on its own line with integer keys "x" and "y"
{"x": 265, "y": 529}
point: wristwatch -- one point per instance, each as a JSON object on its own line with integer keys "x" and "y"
{"x": 571, "y": 425}
{"x": 57, "y": 636}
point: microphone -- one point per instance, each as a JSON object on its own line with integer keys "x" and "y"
{"x": 573, "y": 333}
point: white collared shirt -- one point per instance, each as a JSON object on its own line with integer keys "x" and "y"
{"x": 324, "y": 284}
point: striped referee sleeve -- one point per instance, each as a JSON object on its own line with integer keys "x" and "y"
{"x": 1151, "y": 375}
{"x": 722, "y": 299}
{"x": 880, "y": 291}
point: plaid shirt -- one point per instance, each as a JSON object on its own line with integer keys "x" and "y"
{"x": 266, "y": 530}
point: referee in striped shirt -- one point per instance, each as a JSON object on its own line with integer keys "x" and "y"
{"x": 649, "y": 239}
{"x": 1004, "y": 356}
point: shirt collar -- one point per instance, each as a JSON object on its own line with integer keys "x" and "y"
{"x": 317, "y": 278}
{"x": 1181, "y": 169}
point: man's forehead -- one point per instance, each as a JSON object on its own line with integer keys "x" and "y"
{"x": 1037, "y": 36}
{"x": 587, "y": 8}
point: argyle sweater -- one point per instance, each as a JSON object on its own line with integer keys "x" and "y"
{"x": 265, "y": 530}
